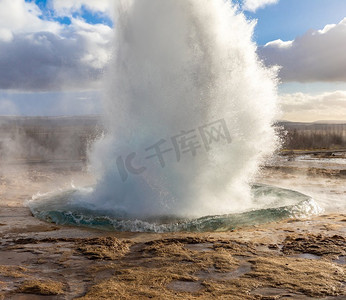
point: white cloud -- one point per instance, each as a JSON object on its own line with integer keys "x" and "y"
{"x": 279, "y": 44}
{"x": 97, "y": 42}
{"x": 253, "y": 5}
{"x": 41, "y": 55}
{"x": 318, "y": 55}
{"x": 18, "y": 16}
{"x": 67, "y": 7}
{"x": 5, "y": 35}
{"x": 43, "y": 61}
{"x": 309, "y": 107}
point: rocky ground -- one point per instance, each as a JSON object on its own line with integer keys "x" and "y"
{"x": 292, "y": 259}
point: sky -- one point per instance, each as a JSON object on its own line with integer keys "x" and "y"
{"x": 53, "y": 54}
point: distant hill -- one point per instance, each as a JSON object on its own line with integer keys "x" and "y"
{"x": 319, "y": 125}
{"x": 64, "y": 121}
{"x": 47, "y": 138}
{"x": 316, "y": 135}
{"x": 330, "y": 122}
{"x": 68, "y": 137}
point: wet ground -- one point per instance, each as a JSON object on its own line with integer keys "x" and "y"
{"x": 292, "y": 259}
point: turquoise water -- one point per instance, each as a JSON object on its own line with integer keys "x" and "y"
{"x": 270, "y": 204}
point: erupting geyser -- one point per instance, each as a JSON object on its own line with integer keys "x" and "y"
{"x": 189, "y": 110}
{"x": 183, "y": 67}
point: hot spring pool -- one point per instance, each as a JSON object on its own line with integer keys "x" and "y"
{"x": 270, "y": 204}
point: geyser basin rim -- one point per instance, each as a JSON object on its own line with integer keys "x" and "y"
{"x": 61, "y": 209}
